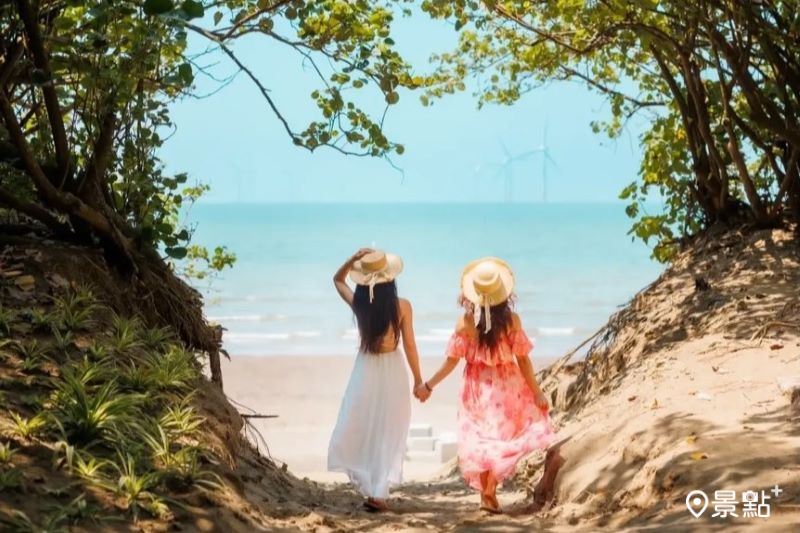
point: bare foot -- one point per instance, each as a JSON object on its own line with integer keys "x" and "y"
{"x": 489, "y": 493}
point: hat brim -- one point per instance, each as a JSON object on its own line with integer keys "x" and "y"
{"x": 506, "y": 279}
{"x": 394, "y": 266}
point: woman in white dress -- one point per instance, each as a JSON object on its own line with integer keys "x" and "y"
{"x": 369, "y": 440}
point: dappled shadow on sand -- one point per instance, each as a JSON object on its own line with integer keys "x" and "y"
{"x": 442, "y": 505}
{"x": 658, "y": 465}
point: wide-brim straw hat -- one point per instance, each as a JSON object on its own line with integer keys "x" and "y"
{"x": 487, "y": 282}
{"x": 376, "y": 267}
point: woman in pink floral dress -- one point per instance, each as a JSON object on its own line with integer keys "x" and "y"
{"x": 503, "y": 414}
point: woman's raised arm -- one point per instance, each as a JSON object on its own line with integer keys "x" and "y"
{"x": 340, "y": 278}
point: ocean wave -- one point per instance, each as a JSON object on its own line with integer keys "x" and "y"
{"x": 247, "y": 318}
{"x": 254, "y": 337}
{"x": 261, "y": 337}
{"x": 556, "y": 332}
{"x": 306, "y": 334}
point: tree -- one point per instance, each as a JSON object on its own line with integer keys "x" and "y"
{"x": 719, "y": 81}
{"x": 85, "y": 87}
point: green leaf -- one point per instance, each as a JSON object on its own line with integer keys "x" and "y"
{"x": 185, "y": 73}
{"x": 158, "y": 7}
{"x": 392, "y": 98}
{"x": 193, "y": 9}
{"x": 179, "y": 252}
{"x": 217, "y": 17}
{"x": 266, "y": 25}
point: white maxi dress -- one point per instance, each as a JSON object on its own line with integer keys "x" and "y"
{"x": 369, "y": 440}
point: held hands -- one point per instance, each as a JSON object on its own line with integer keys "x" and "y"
{"x": 422, "y": 392}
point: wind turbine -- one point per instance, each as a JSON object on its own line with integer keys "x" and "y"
{"x": 506, "y": 168}
{"x": 546, "y": 158}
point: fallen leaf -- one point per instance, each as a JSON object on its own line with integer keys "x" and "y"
{"x": 714, "y": 368}
{"x": 11, "y": 273}
{"x": 59, "y": 281}
{"x": 776, "y": 347}
{"x": 26, "y": 283}
{"x": 631, "y": 398}
{"x": 654, "y": 405}
{"x": 691, "y": 439}
{"x": 697, "y": 456}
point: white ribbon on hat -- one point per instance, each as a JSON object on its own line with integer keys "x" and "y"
{"x": 370, "y": 280}
{"x": 487, "y": 310}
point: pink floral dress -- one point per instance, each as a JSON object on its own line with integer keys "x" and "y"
{"x": 498, "y": 421}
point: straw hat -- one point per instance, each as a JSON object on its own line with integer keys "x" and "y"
{"x": 376, "y": 267}
{"x": 486, "y": 282}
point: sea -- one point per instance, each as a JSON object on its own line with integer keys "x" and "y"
{"x": 574, "y": 265}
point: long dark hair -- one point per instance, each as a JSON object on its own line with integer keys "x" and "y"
{"x": 502, "y": 318}
{"x": 375, "y": 318}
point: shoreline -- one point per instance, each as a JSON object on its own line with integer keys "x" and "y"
{"x": 305, "y": 392}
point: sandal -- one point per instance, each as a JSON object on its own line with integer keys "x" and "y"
{"x": 375, "y": 506}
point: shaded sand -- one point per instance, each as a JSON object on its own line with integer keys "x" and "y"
{"x": 305, "y": 393}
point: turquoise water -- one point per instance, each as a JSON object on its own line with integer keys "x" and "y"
{"x": 574, "y": 265}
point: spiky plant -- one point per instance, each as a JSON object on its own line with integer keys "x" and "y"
{"x": 182, "y": 419}
{"x": 157, "y": 338}
{"x": 75, "y": 309}
{"x": 6, "y": 320}
{"x": 6, "y": 453}
{"x": 19, "y": 522}
{"x": 174, "y": 369}
{"x": 27, "y": 428}
{"x": 136, "y": 376}
{"x": 136, "y": 489}
{"x": 10, "y": 478}
{"x": 63, "y": 342}
{"x": 90, "y": 372}
{"x": 87, "y": 414}
{"x": 32, "y": 353}
{"x": 98, "y": 350}
{"x": 160, "y": 446}
{"x": 125, "y": 334}
{"x": 90, "y": 468}
{"x": 81, "y": 511}
{"x": 44, "y": 320}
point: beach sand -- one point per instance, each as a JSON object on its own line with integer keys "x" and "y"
{"x": 305, "y": 392}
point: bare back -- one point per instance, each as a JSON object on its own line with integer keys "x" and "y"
{"x": 390, "y": 341}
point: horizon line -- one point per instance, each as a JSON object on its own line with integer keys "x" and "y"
{"x": 414, "y": 202}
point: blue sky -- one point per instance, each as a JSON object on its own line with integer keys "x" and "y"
{"x": 232, "y": 141}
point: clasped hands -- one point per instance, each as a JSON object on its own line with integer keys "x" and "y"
{"x": 422, "y": 392}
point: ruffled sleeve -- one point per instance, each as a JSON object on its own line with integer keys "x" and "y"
{"x": 521, "y": 345}
{"x": 458, "y": 346}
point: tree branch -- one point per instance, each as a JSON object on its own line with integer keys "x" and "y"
{"x": 34, "y": 211}
{"x": 64, "y": 202}
{"x": 225, "y": 36}
{"x": 10, "y": 63}
{"x": 95, "y": 173}
{"x": 42, "y": 62}
{"x": 297, "y": 139}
